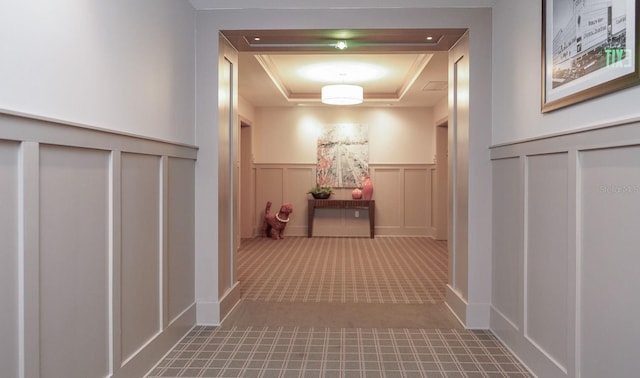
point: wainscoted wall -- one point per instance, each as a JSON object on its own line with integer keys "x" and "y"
{"x": 403, "y": 194}
{"x": 565, "y": 251}
{"x": 97, "y": 249}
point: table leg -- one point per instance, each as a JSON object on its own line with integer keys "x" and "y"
{"x": 372, "y": 218}
{"x": 312, "y": 210}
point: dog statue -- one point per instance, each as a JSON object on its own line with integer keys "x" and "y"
{"x": 274, "y": 224}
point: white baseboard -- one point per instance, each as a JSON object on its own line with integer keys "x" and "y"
{"x": 229, "y": 300}
{"x": 457, "y": 305}
{"x": 211, "y": 313}
{"x": 149, "y": 355}
{"x": 208, "y": 313}
{"x": 478, "y": 315}
{"x": 470, "y": 315}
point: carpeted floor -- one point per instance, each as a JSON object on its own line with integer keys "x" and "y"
{"x": 340, "y": 307}
{"x": 343, "y": 270}
{"x": 326, "y": 352}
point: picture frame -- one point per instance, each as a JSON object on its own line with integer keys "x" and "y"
{"x": 589, "y": 49}
{"x": 343, "y": 155}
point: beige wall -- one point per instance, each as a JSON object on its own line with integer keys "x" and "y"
{"x": 441, "y": 110}
{"x": 401, "y": 152}
{"x": 396, "y": 136}
{"x": 246, "y": 109}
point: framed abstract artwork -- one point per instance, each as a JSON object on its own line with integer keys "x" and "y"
{"x": 343, "y": 156}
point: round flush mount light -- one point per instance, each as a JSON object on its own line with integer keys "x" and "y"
{"x": 342, "y": 94}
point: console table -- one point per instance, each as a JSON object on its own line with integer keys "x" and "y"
{"x": 341, "y": 204}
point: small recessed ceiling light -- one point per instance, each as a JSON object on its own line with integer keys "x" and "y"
{"x": 256, "y": 38}
{"x": 341, "y": 45}
{"x": 429, "y": 38}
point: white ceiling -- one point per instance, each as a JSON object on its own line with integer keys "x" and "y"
{"x": 415, "y": 70}
{"x": 277, "y": 82}
{"x": 338, "y": 4}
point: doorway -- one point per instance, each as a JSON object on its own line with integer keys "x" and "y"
{"x": 441, "y": 225}
{"x": 442, "y": 160}
{"x": 247, "y": 182}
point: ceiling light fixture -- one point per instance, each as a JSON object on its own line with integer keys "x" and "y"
{"x": 340, "y": 45}
{"x": 342, "y": 94}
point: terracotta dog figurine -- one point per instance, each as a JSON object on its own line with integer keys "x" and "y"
{"x": 274, "y": 224}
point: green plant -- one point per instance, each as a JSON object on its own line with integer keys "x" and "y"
{"x": 321, "y": 189}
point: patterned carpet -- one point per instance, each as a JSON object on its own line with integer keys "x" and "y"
{"x": 294, "y": 290}
{"x": 341, "y": 353}
{"x": 343, "y": 270}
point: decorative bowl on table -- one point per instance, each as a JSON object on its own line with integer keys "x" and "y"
{"x": 321, "y": 191}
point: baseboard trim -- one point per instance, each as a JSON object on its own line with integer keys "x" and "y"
{"x": 148, "y": 356}
{"x": 229, "y": 300}
{"x": 470, "y": 315}
{"x": 208, "y": 313}
{"x": 478, "y": 315}
{"x": 212, "y": 313}
{"x": 457, "y": 305}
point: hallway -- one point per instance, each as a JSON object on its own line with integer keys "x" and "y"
{"x": 340, "y": 307}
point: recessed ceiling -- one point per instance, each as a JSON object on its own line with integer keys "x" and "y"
{"x": 281, "y": 67}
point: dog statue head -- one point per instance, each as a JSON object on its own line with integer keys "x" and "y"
{"x": 286, "y": 208}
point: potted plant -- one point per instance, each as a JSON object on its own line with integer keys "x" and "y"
{"x": 321, "y": 191}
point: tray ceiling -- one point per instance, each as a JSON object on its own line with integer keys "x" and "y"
{"x": 274, "y": 64}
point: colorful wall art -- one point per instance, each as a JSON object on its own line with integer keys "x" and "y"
{"x": 343, "y": 155}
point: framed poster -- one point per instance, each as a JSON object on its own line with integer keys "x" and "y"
{"x": 589, "y": 49}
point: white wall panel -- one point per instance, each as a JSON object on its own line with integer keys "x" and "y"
{"x": 388, "y": 193}
{"x": 9, "y": 259}
{"x": 180, "y": 213}
{"x": 609, "y": 279}
{"x": 74, "y": 254}
{"x": 507, "y": 282}
{"x": 269, "y": 187}
{"x": 402, "y": 194}
{"x": 547, "y": 296}
{"x": 580, "y": 232}
{"x": 417, "y": 198}
{"x": 140, "y": 261}
{"x": 83, "y": 224}
{"x": 298, "y": 182}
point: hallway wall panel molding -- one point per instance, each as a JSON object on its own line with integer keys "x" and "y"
{"x": 403, "y": 195}
{"x": 97, "y": 240}
{"x": 565, "y": 215}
